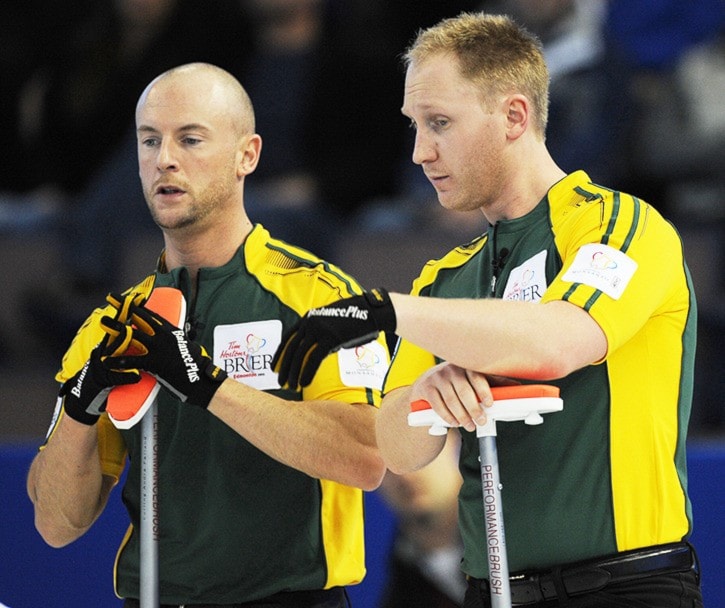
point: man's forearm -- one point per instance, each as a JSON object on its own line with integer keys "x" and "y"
{"x": 403, "y": 448}
{"x": 66, "y": 485}
{"x": 518, "y": 339}
{"x": 325, "y": 439}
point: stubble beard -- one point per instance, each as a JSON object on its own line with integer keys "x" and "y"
{"x": 195, "y": 212}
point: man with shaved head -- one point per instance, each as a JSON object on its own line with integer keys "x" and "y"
{"x": 259, "y": 487}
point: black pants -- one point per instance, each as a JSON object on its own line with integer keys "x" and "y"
{"x": 329, "y": 598}
{"x": 673, "y": 590}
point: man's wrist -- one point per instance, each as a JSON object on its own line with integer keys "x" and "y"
{"x": 79, "y": 414}
{"x": 211, "y": 379}
{"x": 382, "y": 309}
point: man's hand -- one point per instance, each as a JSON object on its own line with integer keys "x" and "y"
{"x": 84, "y": 395}
{"x": 342, "y": 324}
{"x": 163, "y": 350}
{"x": 459, "y": 396}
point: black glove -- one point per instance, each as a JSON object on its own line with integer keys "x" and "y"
{"x": 84, "y": 395}
{"x": 163, "y": 350}
{"x": 342, "y": 324}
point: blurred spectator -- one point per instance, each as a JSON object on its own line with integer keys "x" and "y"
{"x": 357, "y": 140}
{"x": 28, "y": 35}
{"x": 282, "y": 192}
{"x": 326, "y": 80}
{"x": 425, "y": 564}
{"x": 102, "y": 57}
{"x": 85, "y": 135}
{"x": 589, "y": 112}
{"x": 679, "y": 154}
{"x": 647, "y": 39}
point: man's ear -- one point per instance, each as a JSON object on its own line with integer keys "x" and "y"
{"x": 517, "y": 116}
{"x": 250, "y": 147}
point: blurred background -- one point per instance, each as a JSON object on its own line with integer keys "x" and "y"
{"x": 636, "y": 100}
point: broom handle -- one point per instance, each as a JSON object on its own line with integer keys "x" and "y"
{"x": 498, "y": 568}
{"x": 149, "y": 575}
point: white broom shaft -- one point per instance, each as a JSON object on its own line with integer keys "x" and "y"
{"x": 498, "y": 568}
{"x": 149, "y": 575}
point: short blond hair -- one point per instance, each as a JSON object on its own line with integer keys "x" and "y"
{"x": 495, "y": 53}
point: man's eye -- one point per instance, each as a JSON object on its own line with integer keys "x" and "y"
{"x": 438, "y": 123}
{"x": 191, "y": 141}
{"x": 150, "y": 142}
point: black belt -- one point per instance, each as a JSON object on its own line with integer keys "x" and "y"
{"x": 322, "y": 598}
{"x": 594, "y": 575}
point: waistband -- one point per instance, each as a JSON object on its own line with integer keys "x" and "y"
{"x": 593, "y": 575}
{"x": 317, "y": 598}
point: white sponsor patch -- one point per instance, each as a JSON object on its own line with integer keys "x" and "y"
{"x": 602, "y": 267}
{"x": 245, "y": 351}
{"x": 364, "y": 365}
{"x": 527, "y": 282}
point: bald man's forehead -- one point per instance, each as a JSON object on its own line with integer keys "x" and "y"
{"x": 207, "y": 96}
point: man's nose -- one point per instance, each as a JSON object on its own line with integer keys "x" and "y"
{"x": 166, "y": 159}
{"x": 423, "y": 149}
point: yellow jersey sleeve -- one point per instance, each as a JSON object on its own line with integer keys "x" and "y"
{"x": 613, "y": 253}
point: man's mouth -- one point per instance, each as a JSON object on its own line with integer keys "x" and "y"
{"x": 169, "y": 190}
{"x": 436, "y": 179}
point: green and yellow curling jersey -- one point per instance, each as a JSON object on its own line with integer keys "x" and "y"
{"x": 234, "y": 524}
{"x": 607, "y": 473}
